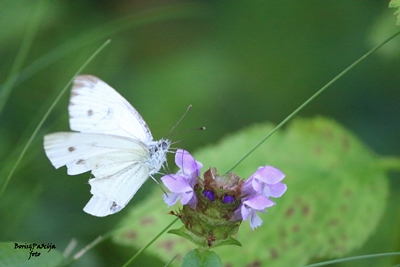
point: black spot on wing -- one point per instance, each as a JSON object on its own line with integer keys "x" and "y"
{"x": 115, "y": 207}
{"x": 71, "y": 148}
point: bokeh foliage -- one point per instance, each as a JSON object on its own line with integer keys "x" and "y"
{"x": 238, "y": 63}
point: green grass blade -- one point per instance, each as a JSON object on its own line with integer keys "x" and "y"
{"x": 390, "y": 254}
{"x": 32, "y": 137}
{"x": 312, "y": 98}
{"x": 31, "y": 31}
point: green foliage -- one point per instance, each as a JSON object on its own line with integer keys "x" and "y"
{"x": 201, "y": 242}
{"x": 336, "y": 194}
{"x": 198, "y": 258}
{"x": 11, "y": 256}
{"x": 396, "y": 4}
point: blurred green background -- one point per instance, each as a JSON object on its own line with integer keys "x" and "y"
{"x": 236, "y": 62}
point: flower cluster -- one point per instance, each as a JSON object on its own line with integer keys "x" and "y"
{"x": 264, "y": 183}
{"x": 214, "y": 207}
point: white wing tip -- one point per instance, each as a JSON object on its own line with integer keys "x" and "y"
{"x": 101, "y": 206}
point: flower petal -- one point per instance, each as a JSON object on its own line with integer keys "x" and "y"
{"x": 268, "y": 175}
{"x": 275, "y": 190}
{"x": 258, "y": 203}
{"x": 188, "y": 165}
{"x": 245, "y": 211}
{"x": 176, "y": 183}
{"x": 192, "y": 202}
{"x": 186, "y": 197}
{"x": 248, "y": 188}
{"x": 170, "y": 198}
{"x": 255, "y": 220}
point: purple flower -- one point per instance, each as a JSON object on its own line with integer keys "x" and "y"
{"x": 180, "y": 188}
{"x": 189, "y": 167}
{"x": 264, "y": 183}
{"x": 181, "y": 184}
{"x": 251, "y": 206}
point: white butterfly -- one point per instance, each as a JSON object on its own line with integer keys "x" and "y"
{"x": 113, "y": 141}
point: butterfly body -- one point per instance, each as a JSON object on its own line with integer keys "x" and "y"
{"x": 113, "y": 142}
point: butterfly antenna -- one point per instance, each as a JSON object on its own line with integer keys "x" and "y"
{"x": 188, "y": 130}
{"x": 184, "y": 114}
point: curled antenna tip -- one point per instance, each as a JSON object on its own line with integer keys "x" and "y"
{"x": 202, "y": 128}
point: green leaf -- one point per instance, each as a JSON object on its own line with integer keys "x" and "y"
{"x": 337, "y": 190}
{"x": 183, "y": 232}
{"x": 11, "y": 255}
{"x": 201, "y": 258}
{"x": 396, "y": 4}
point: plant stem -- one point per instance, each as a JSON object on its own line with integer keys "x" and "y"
{"x": 312, "y": 98}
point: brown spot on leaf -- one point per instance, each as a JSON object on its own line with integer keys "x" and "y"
{"x": 130, "y": 235}
{"x": 348, "y": 193}
{"x": 295, "y": 228}
{"x": 145, "y": 221}
{"x": 254, "y": 264}
{"x": 328, "y": 133}
{"x": 333, "y": 222}
{"x": 289, "y": 212}
{"x": 273, "y": 253}
{"x": 71, "y": 148}
{"x": 167, "y": 245}
{"x": 306, "y": 210}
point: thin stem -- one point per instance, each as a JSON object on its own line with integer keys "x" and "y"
{"x": 312, "y": 98}
{"x": 390, "y": 254}
{"x": 148, "y": 245}
{"x": 169, "y": 263}
{"x": 47, "y": 115}
{"x": 33, "y": 26}
{"x": 88, "y": 247}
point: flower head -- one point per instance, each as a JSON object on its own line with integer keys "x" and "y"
{"x": 214, "y": 207}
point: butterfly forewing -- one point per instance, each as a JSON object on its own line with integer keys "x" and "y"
{"x": 75, "y": 149}
{"x": 95, "y": 107}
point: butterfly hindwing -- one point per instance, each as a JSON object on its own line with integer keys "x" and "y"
{"x": 111, "y": 194}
